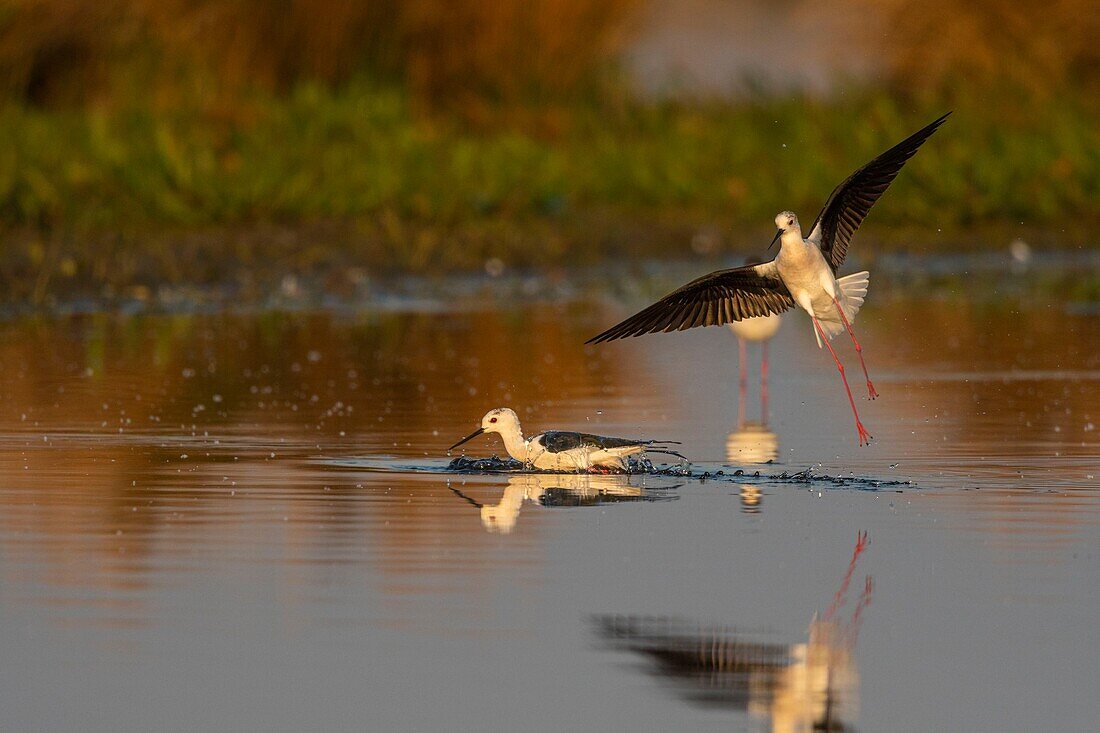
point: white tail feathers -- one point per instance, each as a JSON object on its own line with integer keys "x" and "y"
{"x": 853, "y": 289}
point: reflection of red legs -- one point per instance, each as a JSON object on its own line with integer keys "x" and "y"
{"x": 764, "y": 383}
{"x": 742, "y": 386}
{"x": 859, "y": 349}
{"x": 838, "y": 598}
{"x": 864, "y": 436}
{"x": 857, "y": 615}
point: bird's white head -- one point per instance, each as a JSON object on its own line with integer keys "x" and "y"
{"x": 786, "y": 226}
{"x": 501, "y": 420}
{"x": 786, "y": 221}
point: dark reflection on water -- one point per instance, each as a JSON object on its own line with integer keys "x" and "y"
{"x": 811, "y": 685}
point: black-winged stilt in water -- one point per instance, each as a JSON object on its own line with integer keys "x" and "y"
{"x": 804, "y": 273}
{"x": 563, "y": 450}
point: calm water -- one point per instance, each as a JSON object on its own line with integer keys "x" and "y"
{"x": 243, "y": 522}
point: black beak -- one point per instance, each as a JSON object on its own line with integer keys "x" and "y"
{"x": 471, "y": 436}
{"x": 778, "y": 234}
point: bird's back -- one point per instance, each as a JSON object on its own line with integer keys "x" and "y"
{"x": 557, "y": 441}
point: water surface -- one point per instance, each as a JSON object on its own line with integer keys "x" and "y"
{"x": 243, "y": 521}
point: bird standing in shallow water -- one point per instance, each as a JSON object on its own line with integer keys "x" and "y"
{"x": 562, "y": 450}
{"x": 804, "y": 273}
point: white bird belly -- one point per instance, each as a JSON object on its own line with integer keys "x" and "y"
{"x": 569, "y": 460}
{"x": 823, "y": 306}
{"x": 809, "y": 280}
{"x": 582, "y": 459}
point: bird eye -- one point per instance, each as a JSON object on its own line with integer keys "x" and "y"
{"x": 492, "y": 419}
{"x": 790, "y": 222}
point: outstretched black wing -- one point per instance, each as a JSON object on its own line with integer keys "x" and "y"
{"x": 712, "y": 300}
{"x": 849, "y": 202}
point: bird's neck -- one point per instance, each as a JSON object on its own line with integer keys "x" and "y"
{"x": 792, "y": 238}
{"x": 514, "y": 443}
{"x": 502, "y": 517}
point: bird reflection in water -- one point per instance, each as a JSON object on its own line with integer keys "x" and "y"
{"x": 559, "y": 490}
{"x": 753, "y": 442}
{"x": 751, "y": 498}
{"x": 804, "y": 686}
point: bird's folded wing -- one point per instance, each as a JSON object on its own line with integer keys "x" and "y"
{"x": 849, "y": 202}
{"x": 712, "y": 300}
{"x": 557, "y": 441}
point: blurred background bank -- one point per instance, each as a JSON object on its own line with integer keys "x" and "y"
{"x": 145, "y": 143}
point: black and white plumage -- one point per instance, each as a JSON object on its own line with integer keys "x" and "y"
{"x": 850, "y": 202}
{"x": 561, "y": 450}
{"x": 803, "y": 274}
{"x": 715, "y": 299}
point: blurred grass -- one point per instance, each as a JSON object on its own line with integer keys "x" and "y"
{"x": 178, "y": 141}
{"x": 1044, "y": 49}
{"x": 421, "y": 193}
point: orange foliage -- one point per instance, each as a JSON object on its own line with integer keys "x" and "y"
{"x": 57, "y": 49}
{"x": 63, "y": 51}
{"x": 1035, "y": 46}
{"x": 511, "y": 49}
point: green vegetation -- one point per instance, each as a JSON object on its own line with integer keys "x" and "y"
{"x": 358, "y": 168}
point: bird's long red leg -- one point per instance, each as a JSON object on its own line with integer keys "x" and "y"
{"x": 742, "y": 386}
{"x": 764, "y": 384}
{"x": 859, "y": 349}
{"x": 864, "y": 436}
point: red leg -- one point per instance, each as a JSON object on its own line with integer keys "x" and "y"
{"x": 742, "y": 386}
{"x": 764, "y": 384}
{"x": 864, "y": 436}
{"x": 859, "y": 349}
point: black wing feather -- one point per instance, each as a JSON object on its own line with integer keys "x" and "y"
{"x": 712, "y": 300}
{"x": 849, "y": 202}
{"x": 556, "y": 441}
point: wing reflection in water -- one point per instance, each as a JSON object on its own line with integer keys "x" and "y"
{"x": 560, "y": 490}
{"x": 810, "y": 685}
